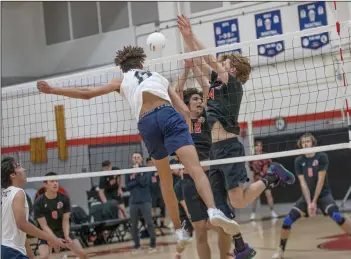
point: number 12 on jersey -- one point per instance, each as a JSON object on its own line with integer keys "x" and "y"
{"x": 142, "y": 75}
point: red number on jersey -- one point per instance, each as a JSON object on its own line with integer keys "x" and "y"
{"x": 211, "y": 94}
{"x": 197, "y": 127}
{"x": 310, "y": 171}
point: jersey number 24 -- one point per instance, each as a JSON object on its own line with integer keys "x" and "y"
{"x": 142, "y": 75}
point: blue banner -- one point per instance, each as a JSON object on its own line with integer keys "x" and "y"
{"x": 226, "y": 32}
{"x": 310, "y": 16}
{"x": 269, "y": 24}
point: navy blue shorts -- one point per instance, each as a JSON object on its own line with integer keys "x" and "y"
{"x": 164, "y": 131}
{"x": 10, "y": 253}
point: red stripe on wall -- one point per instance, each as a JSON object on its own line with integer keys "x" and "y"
{"x": 80, "y": 142}
{"x": 137, "y": 138}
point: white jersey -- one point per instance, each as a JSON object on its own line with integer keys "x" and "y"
{"x": 12, "y": 236}
{"x": 137, "y": 81}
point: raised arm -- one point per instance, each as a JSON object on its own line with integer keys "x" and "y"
{"x": 179, "y": 105}
{"x": 179, "y": 84}
{"x": 194, "y": 44}
{"x": 80, "y": 92}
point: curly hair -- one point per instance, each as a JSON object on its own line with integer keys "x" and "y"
{"x": 307, "y": 135}
{"x": 7, "y": 168}
{"x": 130, "y": 57}
{"x": 188, "y": 93}
{"x": 241, "y": 63}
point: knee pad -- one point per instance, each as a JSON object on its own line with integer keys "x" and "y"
{"x": 334, "y": 213}
{"x": 291, "y": 218}
{"x": 226, "y": 210}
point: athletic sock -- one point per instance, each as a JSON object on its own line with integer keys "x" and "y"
{"x": 283, "y": 244}
{"x": 239, "y": 243}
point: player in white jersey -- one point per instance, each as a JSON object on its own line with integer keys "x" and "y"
{"x": 14, "y": 218}
{"x": 165, "y": 131}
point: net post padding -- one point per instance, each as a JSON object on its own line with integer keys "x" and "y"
{"x": 204, "y": 163}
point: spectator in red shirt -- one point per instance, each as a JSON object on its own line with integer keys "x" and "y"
{"x": 259, "y": 169}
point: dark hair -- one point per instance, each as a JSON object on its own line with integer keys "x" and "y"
{"x": 307, "y": 135}
{"x": 7, "y": 168}
{"x": 241, "y": 63}
{"x": 137, "y": 152}
{"x": 188, "y": 93}
{"x": 50, "y": 174}
{"x": 148, "y": 159}
{"x": 106, "y": 163}
{"x": 130, "y": 57}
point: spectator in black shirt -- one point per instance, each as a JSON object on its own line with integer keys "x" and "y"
{"x": 52, "y": 211}
{"x": 110, "y": 188}
{"x": 140, "y": 202}
{"x": 156, "y": 194}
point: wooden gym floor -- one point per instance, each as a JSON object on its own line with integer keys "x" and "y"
{"x": 307, "y": 237}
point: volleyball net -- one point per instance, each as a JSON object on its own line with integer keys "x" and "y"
{"x": 302, "y": 86}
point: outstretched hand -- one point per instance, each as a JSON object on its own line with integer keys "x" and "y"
{"x": 184, "y": 26}
{"x": 43, "y": 87}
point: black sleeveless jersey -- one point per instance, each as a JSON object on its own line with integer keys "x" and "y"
{"x": 201, "y": 134}
{"x": 224, "y": 102}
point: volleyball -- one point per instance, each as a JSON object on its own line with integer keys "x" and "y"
{"x": 156, "y": 41}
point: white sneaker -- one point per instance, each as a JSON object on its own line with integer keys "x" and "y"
{"x": 279, "y": 254}
{"x": 218, "y": 219}
{"x": 253, "y": 216}
{"x": 183, "y": 237}
{"x": 274, "y": 215}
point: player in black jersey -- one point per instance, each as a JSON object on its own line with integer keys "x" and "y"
{"x": 312, "y": 171}
{"x": 52, "y": 211}
{"x": 225, "y": 93}
{"x": 186, "y": 191}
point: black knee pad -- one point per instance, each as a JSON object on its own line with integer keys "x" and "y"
{"x": 226, "y": 210}
{"x": 334, "y": 213}
{"x": 291, "y": 218}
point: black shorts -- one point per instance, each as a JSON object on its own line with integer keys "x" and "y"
{"x": 323, "y": 203}
{"x": 58, "y": 234}
{"x": 233, "y": 174}
{"x": 196, "y": 207}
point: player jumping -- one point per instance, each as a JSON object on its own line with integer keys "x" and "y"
{"x": 164, "y": 131}
{"x": 311, "y": 170}
{"x": 188, "y": 196}
{"x": 224, "y": 98}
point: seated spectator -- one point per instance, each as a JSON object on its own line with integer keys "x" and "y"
{"x": 111, "y": 188}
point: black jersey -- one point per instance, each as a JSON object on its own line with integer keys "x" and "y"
{"x": 110, "y": 185}
{"x": 224, "y": 102}
{"x": 201, "y": 134}
{"x": 52, "y": 210}
{"x": 309, "y": 168}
